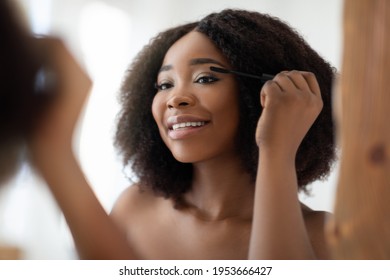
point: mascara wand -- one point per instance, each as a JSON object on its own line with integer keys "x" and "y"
{"x": 263, "y": 78}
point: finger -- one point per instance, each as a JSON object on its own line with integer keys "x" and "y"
{"x": 72, "y": 83}
{"x": 298, "y": 80}
{"x": 284, "y": 82}
{"x": 312, "y": 82}
{"x": 269, "y": 90}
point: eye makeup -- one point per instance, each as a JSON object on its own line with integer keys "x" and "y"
{"x": 263, "y": 78}
{"x": 201, "y": 78}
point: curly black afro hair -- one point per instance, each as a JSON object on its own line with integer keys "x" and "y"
{"x": 253, "y": 43}
{"x": 20, "y": 103}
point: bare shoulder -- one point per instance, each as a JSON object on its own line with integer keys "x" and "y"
{"x": 315, "y": 223}
{"x": 131, "y": 203}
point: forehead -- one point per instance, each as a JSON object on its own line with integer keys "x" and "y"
{"x": 191, "y": 46}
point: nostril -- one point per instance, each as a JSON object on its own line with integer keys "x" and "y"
{"x": 179, "y": 101}
{"x": 181, "y": 104}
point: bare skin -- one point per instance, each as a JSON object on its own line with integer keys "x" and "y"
{"x": 225, "y": 215}
{"x": 191, "y": 234}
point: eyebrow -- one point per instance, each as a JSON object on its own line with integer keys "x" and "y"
{"x": 195, "y": 61}
{"x": 165, "y": 68}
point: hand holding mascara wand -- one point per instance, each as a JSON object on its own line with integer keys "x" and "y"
{"x": 263, "y": 78}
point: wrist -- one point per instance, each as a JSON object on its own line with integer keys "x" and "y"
{"x": 277, "y": 154}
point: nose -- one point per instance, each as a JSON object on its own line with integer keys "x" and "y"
{"x": 178, "y": 100}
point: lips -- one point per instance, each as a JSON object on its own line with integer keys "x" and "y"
{"x": 187, "y": 124}
{"x": 181, "y": 126}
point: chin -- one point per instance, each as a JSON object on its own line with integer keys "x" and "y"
{"x": 189, "y": 155}
{"x": 186, "y": 158}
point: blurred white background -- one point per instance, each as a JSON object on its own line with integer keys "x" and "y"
{"x": 105, "y": 35}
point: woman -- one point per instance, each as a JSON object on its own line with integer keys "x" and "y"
{"x": 220, "y": 158}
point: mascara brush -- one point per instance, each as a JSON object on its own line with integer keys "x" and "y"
{"x": 263, "y": 78}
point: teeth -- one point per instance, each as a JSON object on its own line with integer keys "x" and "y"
{"x": 187, "y": 124}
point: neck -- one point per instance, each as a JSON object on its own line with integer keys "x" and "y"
{"x": 220, "y": 190}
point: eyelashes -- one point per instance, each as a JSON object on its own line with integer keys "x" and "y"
{"x": 163, "y": 86}
{"x": 207, "y": 79}
{"x": 203, "y": 80}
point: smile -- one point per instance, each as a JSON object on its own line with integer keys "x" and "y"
{"x": 187, "y": 124}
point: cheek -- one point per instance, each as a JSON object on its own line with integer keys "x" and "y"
{"x": 225, "y": 114}
{"x": 225, "y": 108}
{"x": 158, "y": 115}
{"x": 229, "y": 121}
{"x": 157, "y": 110}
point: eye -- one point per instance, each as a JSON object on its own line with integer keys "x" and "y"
{"x": 163, "y": 86}
{"x": 206, "y": 80}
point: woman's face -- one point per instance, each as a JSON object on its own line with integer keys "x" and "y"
{"x": 196, "y": 110}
